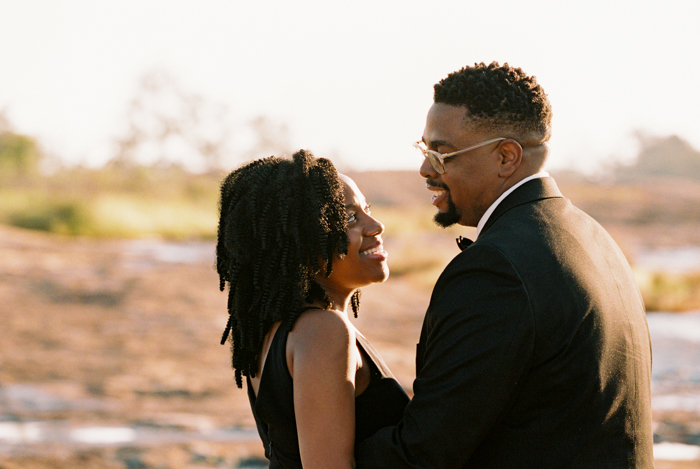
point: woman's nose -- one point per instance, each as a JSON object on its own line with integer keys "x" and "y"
{"x": 374, "y": 227}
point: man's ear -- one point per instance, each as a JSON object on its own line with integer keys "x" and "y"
{"x": 511, "y": 157}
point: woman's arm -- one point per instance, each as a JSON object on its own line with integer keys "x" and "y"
{"x": 323, "y": 359}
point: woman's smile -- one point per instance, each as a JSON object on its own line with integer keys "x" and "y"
{"x": 375, "y": 252}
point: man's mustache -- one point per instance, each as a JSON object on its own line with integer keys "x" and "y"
{"x": 434, "y": 183}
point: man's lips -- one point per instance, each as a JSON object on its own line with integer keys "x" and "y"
{"x": 439, "y": 192}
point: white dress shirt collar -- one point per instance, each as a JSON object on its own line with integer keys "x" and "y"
{"x": 487, "y": 214}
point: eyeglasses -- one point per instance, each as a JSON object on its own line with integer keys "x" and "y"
{"x": 438, "y": 159}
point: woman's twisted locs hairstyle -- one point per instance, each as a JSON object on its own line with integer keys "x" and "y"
{"x": 281, "y": 222}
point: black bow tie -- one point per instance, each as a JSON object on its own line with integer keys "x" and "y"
{"x": 464, "y": 243}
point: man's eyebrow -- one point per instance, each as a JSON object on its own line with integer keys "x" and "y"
{"x": 438, "y": 143}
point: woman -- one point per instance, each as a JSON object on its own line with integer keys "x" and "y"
{"x": 295, "y": 242}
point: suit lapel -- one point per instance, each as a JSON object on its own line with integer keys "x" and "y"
{"x": 536, "y": 189}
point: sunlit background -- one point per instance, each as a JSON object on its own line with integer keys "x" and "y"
{"x": 118, "y": 120}
{"x": 349, "y": 80}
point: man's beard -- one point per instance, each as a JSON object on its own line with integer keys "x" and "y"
{"x": 448, "y": 218}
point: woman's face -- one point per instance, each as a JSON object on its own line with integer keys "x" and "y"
{"x": 365, "y": 262}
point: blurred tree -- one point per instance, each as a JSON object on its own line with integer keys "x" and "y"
{"x": 167, "y": 126}
{"x": 269, "y": 138}
{"x": 19, "y": 154}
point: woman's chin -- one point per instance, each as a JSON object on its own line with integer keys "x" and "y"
{"x": 381, "y": 278}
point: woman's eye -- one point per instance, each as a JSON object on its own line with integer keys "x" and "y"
{"x": 352, "y": 216}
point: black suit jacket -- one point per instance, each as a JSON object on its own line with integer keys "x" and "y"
{"x": 534, "y": 352}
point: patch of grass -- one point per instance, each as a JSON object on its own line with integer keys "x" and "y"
{"x": 667, "y": 291}
{"x": 67, "y": 217}
{"x": 126, "y": 204}
{"x": 127, "y": 216}
{"x": 408, "y": 221}
{"x": 415, "y": 264}
{"x": 111, "y": 215}
{"x": 38, "y": 210}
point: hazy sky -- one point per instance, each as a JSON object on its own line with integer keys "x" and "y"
{"x": 351, "y": 79}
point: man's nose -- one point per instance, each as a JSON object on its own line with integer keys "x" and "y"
{"x": 427, "y": 170}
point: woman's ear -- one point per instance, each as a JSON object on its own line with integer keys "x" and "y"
{"x": 511, "y": 157}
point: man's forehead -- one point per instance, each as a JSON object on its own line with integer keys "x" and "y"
{"x": 444, "y": 123}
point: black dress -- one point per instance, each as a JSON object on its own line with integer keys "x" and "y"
{"x": 380, "y": 405}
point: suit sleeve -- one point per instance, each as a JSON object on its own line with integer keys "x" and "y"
{"x": 478, "y": 338}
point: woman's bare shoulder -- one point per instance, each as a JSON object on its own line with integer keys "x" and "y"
{"x": 322, "y": 340}
{"x": 323, "y": 326}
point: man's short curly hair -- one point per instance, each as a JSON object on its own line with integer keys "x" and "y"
{"x": 498, "y": 97}
{"x": 281, "y": 222}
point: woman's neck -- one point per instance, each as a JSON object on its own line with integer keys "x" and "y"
{"x": 340, "y": 300}
{"x": 339, "y": 294}
{"x": 339, "y": 305}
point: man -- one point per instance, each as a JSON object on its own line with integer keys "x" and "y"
{"x": 534, "y": 351}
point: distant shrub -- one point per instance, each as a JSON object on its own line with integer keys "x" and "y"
{"x": 19, "y": 154}
{"x": 71, "y": 218}
{"x": 666, "y": 291}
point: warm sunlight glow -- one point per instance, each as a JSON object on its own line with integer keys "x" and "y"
{"x": 355, "y": 85}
